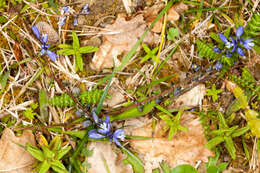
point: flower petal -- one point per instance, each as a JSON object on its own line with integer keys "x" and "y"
{"x": 44, "y": 38}
{"x": 94, "y": 115}
{"x": 216, "y": 49}
{"x": 75, "y": 21}
{"x": 42, "y": 51}
{"x": 93, "y": 134}
{"x": 52, "y": 55}
{"x": 218, "y": 66}
{"x": 248, "y": 43}
{"x": 119, "y": 134}
{"x": 85, "y": 10}
{"x": 65, "y": 9}
{"x": 240, "y": 31}
{"x": 36, "y": 32}
{"x": 240, "y": 51}
{"x": 62, "y": 21}
{"x": 234, "y": 43}
{"x": 228, "y": 54}
{"x": 223, "y": 38}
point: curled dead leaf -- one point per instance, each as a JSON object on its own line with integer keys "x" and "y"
{"x": 172, "y": 14}
{"x": 46, "y": 28}
{"x": 191, "y": 98}
{"x": 185, "y": 147}
{"x": 14, "y": 158}
{"x": 125, "y": 35}
{"x": 104, "y": 157}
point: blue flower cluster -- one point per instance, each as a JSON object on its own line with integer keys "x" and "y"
{"x": 104, "y": 130}
{"x": 67, "y": 11}
{"x": 44, "y": 45}
{"x": 235, "y": 44}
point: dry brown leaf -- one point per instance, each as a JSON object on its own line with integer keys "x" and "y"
{"x": 191, "y": 98}
{"x": 172, "y": 14}
{"x": 103, "y": 154}
{"x": 46, "y": 28}
{"x": 17, "y": 52}
{"x": 13, "y": 158}
{"x": 185, "y": 147}
{"x": 116, "y": 96}
{"x": 126, "y": 34}
{"x": 230, "y": 85}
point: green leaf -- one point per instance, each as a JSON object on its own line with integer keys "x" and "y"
{"x": 75, "y": 43}
{"x": 134, "y": 112}
{"x": 172, "y": 33}
{"x": 87, "y": 49}
{"x": 62, "y": 152}
{"x": 35, "y": 152}
{"x": 53, "y": 5}
{"x": 230, "y": 147}
{"x": 47, "y": 152}
{"x": 215, "y": 37}
{"x": 43, "y": 102}
{"x": 55, "y": 143}
{"x": 134, "y": 161}
{"x": 214, "y": 142}
{"x": 58, "y": 167}
{"x": 213, "y": 169}
{"x": 65, "y": 46}
{"x": 222, "y": 166}
{"x": 44, "y": 167}
{"x": 66, "y": 52}
{"x": 165, "y": 168}
{"x": 157, "y": 170}
{"x": 3, "y": 81}
{"x": 29, "y": 113}
{"x": 80, "y": 133}
{"x": 184, "y": 169}
{"x": 240, "y": 132}
{"x": 79, "y": 62}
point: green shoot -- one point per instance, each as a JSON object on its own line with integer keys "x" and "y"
{"x": 76, "y": 50}
{"x": 213, "y": 92}
{"x": 149, "y": 53}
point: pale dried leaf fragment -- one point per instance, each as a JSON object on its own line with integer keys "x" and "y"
{"x": 185, "y": 147}
{"x": 46, "y": 28}
{"x": 13, "y": 158}
{"x": 103, "y": 154}
{"x": 173, "y": 14}
{"x": 191, "y": 98}
{"x": 124, "y": 37}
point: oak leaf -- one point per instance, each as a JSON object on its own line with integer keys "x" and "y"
{"x": 14, "y": 158}
{"x": 185, "y": 147}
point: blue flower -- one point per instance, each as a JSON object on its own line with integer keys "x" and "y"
{"x": 240, "y": 51}
{"x": 216, "y": 49}
{"x": 218, "y": 66}
{"x": 104, "y": 130}
{"x": 226, "y": 41}
{"x": 75, "y": 21}
{"x": 248, "y": 43}
{"x": 85, "y": 10}
{"x": 44, "y": 45}
{"x": 119, "y": 134}
{"x": 65, "y": 9}
{"x": 239, "y": 32}
{"x": 62, "y": 20}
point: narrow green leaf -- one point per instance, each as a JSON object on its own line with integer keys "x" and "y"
{"x": 65, "y": 46}
{"x": 214, "y": 142}
{"x": 80, "y": 133}
{"x": 230, "y": 147}
{"x": 66, "y": 52}
{"x": 47, "y": 152}
{"x": 35, "y": 152}
{"x": 44, "y": 167}
{"x": 172, "y": 33}
{"x": 75, "y": 43}
{"x": 165, "y": 168}
{"x": 3, "y": 81}
{"x": 79, "y": 62}
{"x": 43, "y": 102}
{"x": 184, "y": 169}
{"x": 58, "y": 167}
{"x": 87, "y": 49}
{"x": 133, "y": 160}
{"x": 55, "y": 143}
{"x": 157, "y": 170}
{"x": 240, "y": 132}
{"x": 63, "y": 152}
{"x": 134, "y": 112}
{"x": 154, "y": 83}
